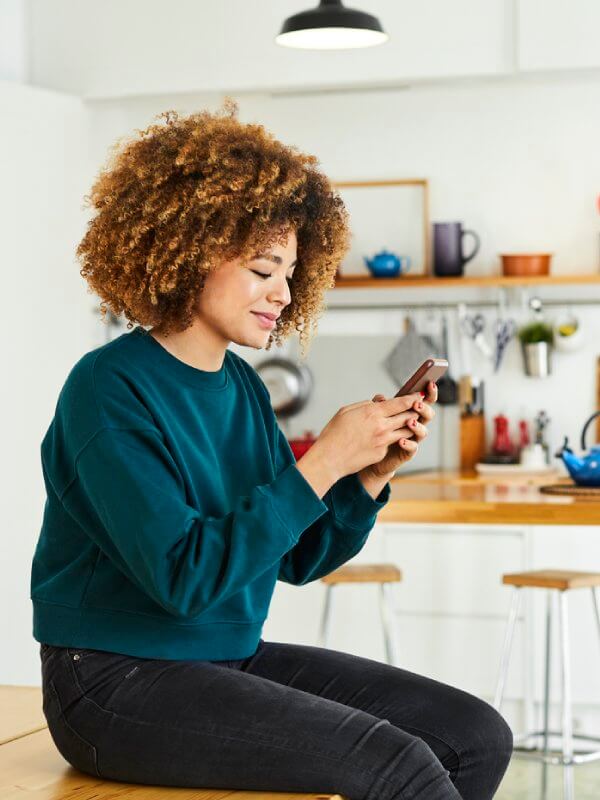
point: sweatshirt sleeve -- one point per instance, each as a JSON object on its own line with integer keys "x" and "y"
{"x": 129, "y": 497}
{"x": 336, "y": 536}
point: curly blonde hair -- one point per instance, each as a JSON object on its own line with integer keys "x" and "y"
{"x": 196, "y": 191}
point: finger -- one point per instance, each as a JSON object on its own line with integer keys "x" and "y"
{"x": 397, "y": 404}
{"x": 409, "y": 445}
{"x": 419, "y": 430}
{"x": 399, "y": 433}
{"x": 425, "y": 412}
{"x": 396, "y": 421}
{"x": 432, "y": 392}
{"x": 378, "y": 398}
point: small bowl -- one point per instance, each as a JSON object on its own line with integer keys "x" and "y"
{"x": 525, "y": 263}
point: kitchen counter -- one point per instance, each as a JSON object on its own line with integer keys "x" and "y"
{"x": 461, "y": 496}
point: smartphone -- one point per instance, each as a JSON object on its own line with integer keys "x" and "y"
{"x": 430, "y": 370}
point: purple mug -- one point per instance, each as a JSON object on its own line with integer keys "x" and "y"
{"x": 448, "y": 254}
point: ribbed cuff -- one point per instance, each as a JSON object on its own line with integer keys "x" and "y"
{"x": 353, "y": 505}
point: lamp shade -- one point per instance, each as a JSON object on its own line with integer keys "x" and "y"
{"x": 331, "y": 26}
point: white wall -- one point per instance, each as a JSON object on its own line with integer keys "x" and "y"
{"x": 14, "y": 63}
{"x": 517, "y": 162}
{"x": 47, "y": 323}
{"x": 144, "y": 47}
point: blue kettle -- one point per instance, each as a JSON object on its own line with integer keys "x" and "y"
{"x": 386, "y": 264}
{"x": 585, "y": 471}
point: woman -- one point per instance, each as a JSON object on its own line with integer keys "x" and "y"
{"x": 174, "y": 501}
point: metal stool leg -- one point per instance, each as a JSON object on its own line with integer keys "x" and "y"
{"x": 546, "y": 725}
{"x": 326, "y": 616}
{"x": 567, "y": 722}
{"x": 596, "y": 602}
{"x": 508, "y": 639}
{"x": 386, "y": 604}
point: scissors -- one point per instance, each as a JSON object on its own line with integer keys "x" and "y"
{"x": 505, "y": 330}
{"x": 473, "y": 326}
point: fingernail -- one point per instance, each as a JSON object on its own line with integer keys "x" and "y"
{"x": 422, "y": 394}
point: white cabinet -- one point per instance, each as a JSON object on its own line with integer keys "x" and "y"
{"x": 451, "y": 610}
{"x": 555, "y": 35}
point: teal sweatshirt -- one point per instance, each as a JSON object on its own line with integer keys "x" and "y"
{"x": 173, "y": 505}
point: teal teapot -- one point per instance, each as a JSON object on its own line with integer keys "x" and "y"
{"x": 385, "y": 264}
{"x": 584, "y": 471}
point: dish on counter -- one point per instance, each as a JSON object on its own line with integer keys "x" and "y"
{"x": 513, "y": 469}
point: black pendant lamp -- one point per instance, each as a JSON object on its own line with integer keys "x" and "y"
{"x": 331, "y": 26}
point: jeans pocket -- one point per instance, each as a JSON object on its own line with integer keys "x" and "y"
{"x": 76, "y": 750}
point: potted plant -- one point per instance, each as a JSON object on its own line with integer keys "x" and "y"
{"x": 537, "y": 340}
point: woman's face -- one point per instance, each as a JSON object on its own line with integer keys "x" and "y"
{"x": 236, "y": 290}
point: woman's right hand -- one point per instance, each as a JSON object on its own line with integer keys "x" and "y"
{"x": 359, "y": 434}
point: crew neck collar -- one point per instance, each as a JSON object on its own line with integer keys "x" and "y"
{"x": 213, "y": 380}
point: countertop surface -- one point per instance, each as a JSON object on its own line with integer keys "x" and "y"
{"x": 464, "y": 496}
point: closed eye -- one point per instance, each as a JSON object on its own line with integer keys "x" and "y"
{"x": 268, "y": 275}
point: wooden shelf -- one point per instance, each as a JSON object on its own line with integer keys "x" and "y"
{"x": 408, "y": 281}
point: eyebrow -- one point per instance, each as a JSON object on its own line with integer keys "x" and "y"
{"x": 275, "y": 259}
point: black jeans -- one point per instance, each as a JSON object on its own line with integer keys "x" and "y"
{"x": 289, "y": 718}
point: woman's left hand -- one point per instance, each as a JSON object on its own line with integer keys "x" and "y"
{"x": 400, "y": 452}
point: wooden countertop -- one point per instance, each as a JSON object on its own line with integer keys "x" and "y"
{"x": 460, "y": 496}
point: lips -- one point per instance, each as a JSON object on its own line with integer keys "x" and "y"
{"x": 266, "y": 314}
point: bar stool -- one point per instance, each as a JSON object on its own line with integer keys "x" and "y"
{"x": 384, "y": 575}
{"x": 557, "y": 583}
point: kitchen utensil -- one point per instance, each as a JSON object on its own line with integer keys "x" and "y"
{"x": 502, "y": 443}
{"x": 448, "y": 255}
{"x": 541, "y": 421}
{"x": 525, "y": 263}
{"x": 505, "y": 330}
{"x": 470, "y": 395}
{"x": 410, "y": 351}
{"x": 446, "y": 385}
{"x": 387, "y": 265}
{"x": 289, "y": 383}
{"x": 585, "y": 471}
{"x": 473, "y": 326}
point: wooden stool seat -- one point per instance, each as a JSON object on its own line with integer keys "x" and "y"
{"x": 32, "y": 767}
{"x": 562, "y": 579}
{"x": 364, "y": 573}
{"x": 555, "y": 582}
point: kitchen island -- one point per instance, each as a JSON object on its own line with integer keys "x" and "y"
{"x": 454, "y": 534}
{"x": 464, "y": 496}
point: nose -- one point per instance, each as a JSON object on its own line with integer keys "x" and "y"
{"x": 281, "y": 294}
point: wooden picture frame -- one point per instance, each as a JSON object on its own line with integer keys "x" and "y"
{"x": 347, "y": 188}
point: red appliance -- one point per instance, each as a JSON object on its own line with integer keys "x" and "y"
{"x": 301, "y": 445}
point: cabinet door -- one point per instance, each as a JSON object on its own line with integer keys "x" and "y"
{"x": 554, "y": 34}
{"x": 453, "y": 571}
